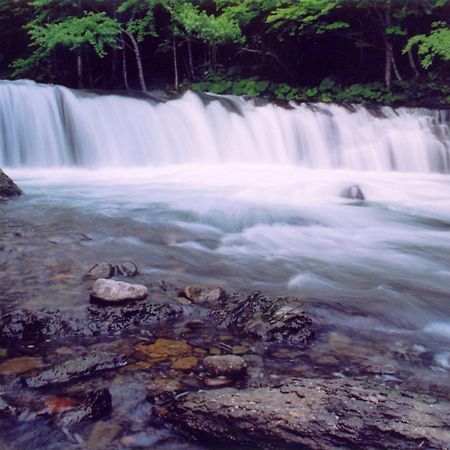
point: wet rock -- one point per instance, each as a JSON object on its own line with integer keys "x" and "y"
{"x": 199, "y": 294}
{"x": 7, "y": 186}
{"x": 239, "y": 350}
{"x": 6, "y": 409}
{"x": 316, "y": 413}
{"x": 277, "y": 319}
{"x": 115, "y": 292}
{"x": 76, "y": 368}
{"x": 353, "y": 192}
{"x": 163, "y": 385}
{"x": 17, "y": 366}
{"x": 217, "y": 383}
{"x": 165, "y": 348}
{"x": 100, "y": 270}
{"x": 187, "y": 363}
{"x": 231, "y": 366}
{"x": 44, "y": 323}
{"x": 102, "y": 435}
{"x": 97, "y": 404}
{"x": 126, "y": 269}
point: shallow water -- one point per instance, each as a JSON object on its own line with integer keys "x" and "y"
{"x": 280, "y": 229}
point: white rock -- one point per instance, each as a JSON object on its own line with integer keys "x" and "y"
{"x": 111, "y": 291}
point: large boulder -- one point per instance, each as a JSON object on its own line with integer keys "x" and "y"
{"x": 271, "y": 319}
{"x": 314, "y": 414}
{"x": 7, "y": 186}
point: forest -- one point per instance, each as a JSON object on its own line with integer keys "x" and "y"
{"x": 309, "y": 50}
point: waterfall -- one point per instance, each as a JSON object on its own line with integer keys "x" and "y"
{"x": 52, "y": 126}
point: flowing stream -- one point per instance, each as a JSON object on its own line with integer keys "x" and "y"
{"x": 253, "y": 196}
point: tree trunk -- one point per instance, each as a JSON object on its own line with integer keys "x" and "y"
{"x": 137, "y": 54}
{"x": 413, "y": 64}
{"x": 124, "y": 65}
{"x": 80, "y": 68}
{"x": 175, "y": 63}
{"x": 190, "y": 60}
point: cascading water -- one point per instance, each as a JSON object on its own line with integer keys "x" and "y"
{"x": 48, "y": 126}
{"x": 211, "y": 189}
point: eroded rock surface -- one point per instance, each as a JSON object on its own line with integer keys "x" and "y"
{"x": 272, "y": 319}
{"x": 315, "y": 414}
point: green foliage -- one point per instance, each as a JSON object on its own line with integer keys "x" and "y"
{"x": 436, "y": 44}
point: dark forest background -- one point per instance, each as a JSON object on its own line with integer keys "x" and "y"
{"x": 374, "y": 51}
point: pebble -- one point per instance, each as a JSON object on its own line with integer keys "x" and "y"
{"x": 218, "y": 382}
{"x": 187, "y": 363}
{"x": 225, "y": 365}
{"x": 113, "y": 292}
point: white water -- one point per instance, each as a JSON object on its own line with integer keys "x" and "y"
{"x": 250, "y": 198}
{"x": 47, "y": 126}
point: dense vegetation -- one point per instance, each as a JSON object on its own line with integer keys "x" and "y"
{"x": 382, "y": 51}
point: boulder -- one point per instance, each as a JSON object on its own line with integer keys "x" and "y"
{"x": 231, "y": 366}
{"x": 272, "y": 319}
{"x": 353, "y": 192}
{"x": 314, "y": 414}
{"x": 115, "y": 292}
{"x": 7, "y": 186}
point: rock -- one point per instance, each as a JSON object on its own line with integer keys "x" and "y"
{"x": 199, "y": 294}
{"x": 239, "y": 350}
{"x": 165, "y": 348}
{"x": 102, "y": 435}
{"x": 115, "y": 292}
{"x": 97, "y": 404}
{"x": 231, "y": 366}
{"x": 315, "y": 413}
{"x": 217, "y": 383}
{"x": 7, "y": 186}
{"x": 73, "y": 369}
{"x": 17, "y": 366}
{"x": 100, "y": 270}
{"x": 187, "y": 363}
{"x": 6, "y": 409}
{"x": 163, "y": 385}
{"x": 126, "y": 269}
{"x": 278, "y": 319}
{"x": 353, "y": 192}
{"x": 47, "y": 322}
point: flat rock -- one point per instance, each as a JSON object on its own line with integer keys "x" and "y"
{"x": 7, "y": 186}
{"x": 76, "y": 368}
{"x": 231, "y": 366}
{"x": 315, "y": 414}
{"x": 47, "y": 322}
{"x": 116, "y": 292}
{"x": 271, "y": 319}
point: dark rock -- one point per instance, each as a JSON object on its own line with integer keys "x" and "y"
{"x": 126, "y": 269}
{"x": 6, "y": 409}
{"x": 199, "y": 294}
{"x": 315, "y": 414}
{"x": 7, "y": 186}
{"x": 38, "y": 325}
{"x": 100, "y": 270}
{"x": 76, "y": 368}
{"x": 96, "y": 405}
{"x": 231, "y": 366}
{"x": 115, "y": 292}
{"x": 272, "y": 319}
{"x": 353, "y": 192}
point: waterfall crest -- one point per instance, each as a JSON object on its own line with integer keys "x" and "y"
{"x": 52, "y": 126}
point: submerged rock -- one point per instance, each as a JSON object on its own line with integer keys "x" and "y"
{"x": 7, "y": 186}
{"x": 44, "y": 323}
{"x": 100, "y": 270}
{"x": 76, "y": 368}
{"x": 272, "y": 319}
{"x": 17, "y": 366}
{"x": 231, "y": 366}
{"x": 353, "y": 192}
{"x": 116, "y": 292}
{"x": 315, "y": 414}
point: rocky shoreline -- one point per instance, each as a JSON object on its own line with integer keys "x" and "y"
{"x": 206, "y": 365}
